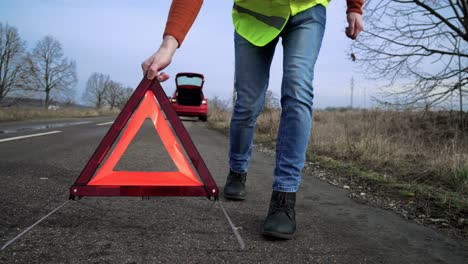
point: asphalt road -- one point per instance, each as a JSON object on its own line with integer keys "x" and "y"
{"x": 36, "y": 172}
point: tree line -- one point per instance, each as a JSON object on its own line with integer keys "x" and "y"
{"x": 44, "y": 72}
{"x": 102, "y": 92}
{"x": 417, "y": 51}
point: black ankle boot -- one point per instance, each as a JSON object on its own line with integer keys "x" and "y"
{"x": 281, "y": 219}
{"x": 235, "y": 186}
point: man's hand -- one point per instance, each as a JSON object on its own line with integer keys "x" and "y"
{"x": 355, "y": 25}
{"x": 160, "y": 60}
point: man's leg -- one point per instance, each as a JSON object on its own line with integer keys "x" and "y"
{"x": 252, "y": 71}
{"x": 301, "y": 39}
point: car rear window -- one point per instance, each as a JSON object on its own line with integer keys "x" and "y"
{"x": 185, "y": 80}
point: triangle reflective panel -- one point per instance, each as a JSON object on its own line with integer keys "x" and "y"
{"x": 147, "y": 102}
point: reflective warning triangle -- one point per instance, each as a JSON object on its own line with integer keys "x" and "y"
{"x": 148, "y": 101}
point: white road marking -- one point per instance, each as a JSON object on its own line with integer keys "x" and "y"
{"x": 28, "y": 136}
{"x": 103, "y": 124}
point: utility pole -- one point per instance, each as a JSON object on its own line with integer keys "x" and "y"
{"x": 352, "y": 91}
{"x": 365, "y": 97}
{"x": 234, "y": 94}
{"x": 460, "y": 91}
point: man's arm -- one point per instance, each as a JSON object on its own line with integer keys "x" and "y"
{"x": 181, "y": 17}
{"x": 354, "y": 17}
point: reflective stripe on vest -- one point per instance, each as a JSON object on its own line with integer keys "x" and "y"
{"x": 274, "y": 21}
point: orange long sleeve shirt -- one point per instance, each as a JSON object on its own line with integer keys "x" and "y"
{"x": 182, "y": 14}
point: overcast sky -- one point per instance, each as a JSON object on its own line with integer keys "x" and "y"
{"x": 114, "y": 37}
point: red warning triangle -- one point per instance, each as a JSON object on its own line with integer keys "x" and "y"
{"x": 184, "y": 182}
{"x": 148, "y": 108}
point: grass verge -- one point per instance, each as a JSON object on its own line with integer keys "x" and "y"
{"x": 435, "y": 201}
{"x": 18, "y": 114}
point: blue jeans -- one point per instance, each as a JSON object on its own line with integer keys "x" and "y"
{"x": 301, "y": 39}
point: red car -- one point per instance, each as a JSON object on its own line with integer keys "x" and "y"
{"x": 188, "y": 98}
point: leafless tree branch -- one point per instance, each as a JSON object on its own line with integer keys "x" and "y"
{"x": 419, "y": 48}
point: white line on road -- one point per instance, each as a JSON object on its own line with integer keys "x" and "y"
{"x": 103, "y": 124}
{"x": 28, "y": 136}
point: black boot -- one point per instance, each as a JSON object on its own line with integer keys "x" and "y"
{"x": 235, "y": 186}
{"x": 281, "y": 219}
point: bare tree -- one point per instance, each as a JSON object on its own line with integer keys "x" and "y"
{"x": 418, "y": 48}
{"x": 126, "y": 93}
{"x": 49, "y": 72}
{"x": 11, "y": 52}
{"x": 96, "y": 86}
{"x": 271, "y": 101}
{"x": 113, "y": 92}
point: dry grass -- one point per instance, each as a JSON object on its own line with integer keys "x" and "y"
{"x": 406, "y": 145}
{"x": 421, "y": 154}
{"x": 16, "y": 114}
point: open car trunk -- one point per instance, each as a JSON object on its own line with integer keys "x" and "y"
{"x": 190, "y": 96}
{"x": 189, "y": 88}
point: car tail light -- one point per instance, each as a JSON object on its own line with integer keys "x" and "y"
{"x": 203, "y": 101}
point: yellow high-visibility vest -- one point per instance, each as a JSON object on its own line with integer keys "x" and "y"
{"x": 261, "y": 21}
